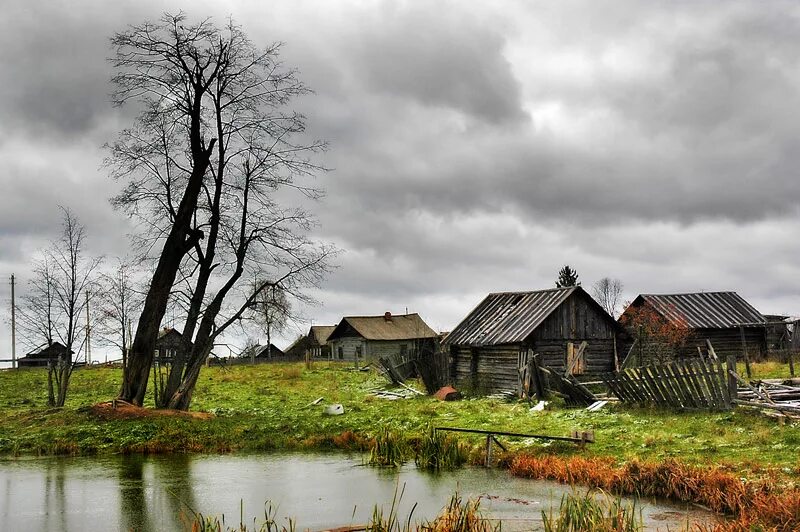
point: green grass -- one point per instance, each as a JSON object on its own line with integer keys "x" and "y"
{"x": 265, "y": 407}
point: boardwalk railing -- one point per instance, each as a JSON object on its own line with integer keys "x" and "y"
{"x": 697, "y": 384}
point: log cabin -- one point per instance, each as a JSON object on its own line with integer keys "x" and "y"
{"x": 488, "y": 348}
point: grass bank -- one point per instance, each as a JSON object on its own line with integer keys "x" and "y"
{"x": 266, "y": 407}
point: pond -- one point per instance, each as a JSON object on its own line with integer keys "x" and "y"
{"x": 151, "y": 493}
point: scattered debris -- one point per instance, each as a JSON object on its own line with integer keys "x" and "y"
{"x": 447, "y": 393}
{"x": 507, "y": 396}
{"x": 315, "y": 402}
{"x": 334, "y": 410}
{"x": 597, "y": 405}
{"x": 386, "y": 394}
{"x": 539, "y": 407}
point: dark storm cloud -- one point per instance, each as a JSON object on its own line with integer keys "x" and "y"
{"x": 474, "y": 147}
{"x": 440, "y": 57}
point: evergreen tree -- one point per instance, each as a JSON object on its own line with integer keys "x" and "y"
{"x": 567, "y": 277}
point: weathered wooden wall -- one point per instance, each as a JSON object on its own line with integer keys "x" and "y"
{"x": 495, "y": 367}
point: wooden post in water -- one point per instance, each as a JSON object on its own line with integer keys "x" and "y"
{"x": 732, "y": 390}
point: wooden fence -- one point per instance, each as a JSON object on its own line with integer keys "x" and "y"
{"x": 701, "y": 384}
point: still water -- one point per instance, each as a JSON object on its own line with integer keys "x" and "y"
{"x": 145, "y": 493}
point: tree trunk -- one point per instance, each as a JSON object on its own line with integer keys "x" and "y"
{"x": 180, "y": 240}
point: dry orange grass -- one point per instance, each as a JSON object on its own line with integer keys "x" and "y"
{"x": 753, "y": 506}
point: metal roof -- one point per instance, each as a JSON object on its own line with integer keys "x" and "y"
{"x": 705, "y": 310}
{"x": 508, "y": 317}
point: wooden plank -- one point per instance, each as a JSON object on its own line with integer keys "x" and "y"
{"x": 680, "y": 386}
{"x": 642, "y": 386}
{"x": 689, "y": 385}
{"x": 711, "y": 383}
{"x": 711, "y": 353}
{"x": 654, "y": 384}
{"x": 667, "y": 381}
{"x": 622, "y": 381}
{"x": 651, "y": 386}
{"x": 731, "y": 370}
{"x": 610, "y": 381}
{"x": 744, "y": 353}
{"x": 634, "y": 387}
{"x": 723, "y": 382}
{"x": 702, "y": 393}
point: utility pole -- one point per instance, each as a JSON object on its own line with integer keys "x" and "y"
{"x": 13, "y": 326}
{"x": 88, "y": 333}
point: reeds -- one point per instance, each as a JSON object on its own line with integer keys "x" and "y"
{"x": 753, "y": 505}
{"x": 437, "y": 450}
{"x": 460, "y": 516}
{"x": 388, "y": 449}
{"x": 582, "y": 512}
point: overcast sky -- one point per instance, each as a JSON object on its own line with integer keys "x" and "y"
{"x": 475, "y": 147}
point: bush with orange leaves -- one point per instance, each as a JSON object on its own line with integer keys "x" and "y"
{"x": 656, "y": 337}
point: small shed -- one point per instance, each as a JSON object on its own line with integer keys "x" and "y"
{"x": 373, "y": 337}
{"x": 45, "y": 355}
{"x": 726, "y": 319}
{"x": 490, "y": 346}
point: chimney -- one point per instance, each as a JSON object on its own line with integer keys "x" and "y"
{"x": 387, "y": 316}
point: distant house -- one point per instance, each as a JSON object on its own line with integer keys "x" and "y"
{"x": 490, "y": 346}
{"x": 724, "y": 318}
{"x": 169, "y": 344}
{"x": 261, "y": 352}
{"x": 315, "y": 343}
{"x": 372, "y": 337}
{"x": 44, "y": 356}
{"x": 318, "y": 340}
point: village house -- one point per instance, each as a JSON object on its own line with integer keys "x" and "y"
{"x": 725, "y": 319}
{"x": 494, "y": 342}
{"x": 373, "y": 337}
{"x": 314, "y": 344}
{"x": 169, "y": 344}
{"x": 43, "y": 356}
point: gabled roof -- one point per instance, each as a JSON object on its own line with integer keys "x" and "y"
{"x": 391, "y": 327}
{"x": 319, "y": 333}
{"x": 509, "y": 317}
{"x": 55, "y": 349}
{"x": 703, "y": 310}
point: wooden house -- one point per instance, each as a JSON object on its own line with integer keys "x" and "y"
{"x": 373, "y": 337}
{"x": 44, "y": 356}
{"x": 168, "y": 344}
{"x": 490, "y": 346}
{"x": 318, "y": 341}
{"x": 729, "y": 322}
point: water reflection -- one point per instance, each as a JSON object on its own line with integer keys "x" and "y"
{"x": 157, "y": 493}
{"x": 152, "y": 489}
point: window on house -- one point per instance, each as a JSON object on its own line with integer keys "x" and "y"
{"x": 341, "y": 352}
{"x": 358, "y": 352}
{"x": 576, "y": 359}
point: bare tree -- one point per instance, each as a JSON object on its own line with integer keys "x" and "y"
{"x": 608, "y": 292}
{"x": 118, "y": 302}
{"x": 57, "y": 300}
{"x": 237, "y": 229}
{"x": 36, "y": 311}
{"x": 271, "y": 311}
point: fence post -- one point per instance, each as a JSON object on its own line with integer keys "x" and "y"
{"x": 732, "y": 386}
{"x": 488, "y": 450}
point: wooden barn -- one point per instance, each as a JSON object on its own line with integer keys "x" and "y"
{"x": 42, "y": 357}
{"x": 372, "y": 337}
{"x": 729, "y": 322}
{"x": 494, "y": 341}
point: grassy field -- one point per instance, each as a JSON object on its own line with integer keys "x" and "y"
{"x": 265, "y": 407}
